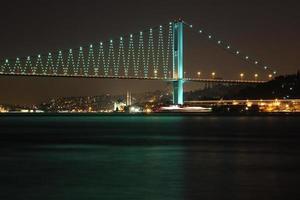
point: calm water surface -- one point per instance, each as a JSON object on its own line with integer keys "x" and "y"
{"x": 149, "y": 157}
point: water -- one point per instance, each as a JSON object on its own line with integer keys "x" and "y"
{"x": 150, "y": 157}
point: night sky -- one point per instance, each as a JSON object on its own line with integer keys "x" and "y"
{"x": 267, "y": 30}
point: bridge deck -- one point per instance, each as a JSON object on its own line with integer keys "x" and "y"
{"x": 225, "y": 81}
{"x": 134, "y": 78}
{"x": 243, "y": 101}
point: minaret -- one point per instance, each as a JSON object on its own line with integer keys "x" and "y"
{"x": 128, "y": 99}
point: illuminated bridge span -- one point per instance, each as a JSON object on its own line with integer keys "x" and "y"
{"x": 153, "y": 54}
{"x": 146, "y": 54}
{"x": 210, "y": 80}
{"x": 241, "y": 102}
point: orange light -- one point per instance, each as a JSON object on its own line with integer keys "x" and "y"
{"x": 270, "y": 76}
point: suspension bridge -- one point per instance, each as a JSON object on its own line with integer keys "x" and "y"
{"x": 153, "y": 54}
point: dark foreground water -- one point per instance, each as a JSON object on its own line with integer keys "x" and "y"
{"x": 149, "y": 157}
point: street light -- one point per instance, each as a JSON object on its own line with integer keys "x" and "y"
{"x": 155, "y": 72}
{"x": 255, "y": 76}
{"x": 270, "y": 76}
{"x": 213, "y": 74}
{"x": 199, "y": 74}
{"x": 242, "y": 76}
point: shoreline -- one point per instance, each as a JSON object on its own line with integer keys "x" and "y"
{"x": 259, "y": 114}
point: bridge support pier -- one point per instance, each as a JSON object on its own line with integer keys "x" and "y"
{"x": 178, "y": 63}
{"x": 178, "y": 92}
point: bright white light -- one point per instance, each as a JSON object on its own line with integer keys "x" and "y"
{"x": 172, "y": 107}
{"x": 200, "y": 31}
{"x": 134, "y": 109}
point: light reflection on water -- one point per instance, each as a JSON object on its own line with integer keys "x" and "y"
{"x": 182, "y": 157}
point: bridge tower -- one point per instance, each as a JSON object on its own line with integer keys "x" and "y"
{"x": 178, "y": 63}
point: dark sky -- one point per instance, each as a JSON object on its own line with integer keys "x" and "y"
{"x": 268, "y": 30}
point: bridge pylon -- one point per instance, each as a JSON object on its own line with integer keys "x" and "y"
{"x": 178, "y": 63}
